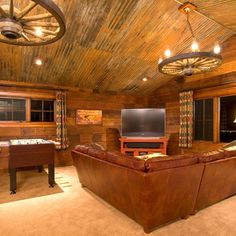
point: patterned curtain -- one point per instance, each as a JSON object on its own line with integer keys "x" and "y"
{"x": 186, "y": 119}
{"x": 61, "y": 120}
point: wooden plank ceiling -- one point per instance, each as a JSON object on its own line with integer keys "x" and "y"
{"x": 110, "y": 45}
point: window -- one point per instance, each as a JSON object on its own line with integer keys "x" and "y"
{"x": 12, "y": 109}
{"x": 42, "y": 110}
{"x": 203, "y": 119}
{"x": 227, "y": 119}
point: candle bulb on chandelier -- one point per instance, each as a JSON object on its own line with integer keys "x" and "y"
{"x": 195, "y": 46}
{"x": 160, "y": 60}
{"x": 167, "y": 53}
{"x": 217, "y": 49}
{"x": 38, "y": 31}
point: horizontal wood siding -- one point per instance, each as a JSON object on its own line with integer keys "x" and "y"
{"x": 106, "y": 134}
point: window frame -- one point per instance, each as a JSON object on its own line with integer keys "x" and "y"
{"x": 43, "y": 110}
{"x": 215, "y": 92}
{"x": 15, "y": 98}
{"x": 219, "y": 115}
{"x": 28, "y": 111}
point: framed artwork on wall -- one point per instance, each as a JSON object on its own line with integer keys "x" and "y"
{"x": 89, "y": 117}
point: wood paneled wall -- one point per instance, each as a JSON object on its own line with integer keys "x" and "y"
{"x": 169, "y": 96}
{"x": 106, "y": 134}
{"x": 9, "y": 130}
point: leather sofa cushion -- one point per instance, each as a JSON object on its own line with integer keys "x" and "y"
{"x": 81, "y": 148}
{"x": 161, "y": 163}
{"x": 123, "y": 160}
{"x": 230, "y": 151}
{"x": 100, "y": 154}
{"x": 211, "y": 156}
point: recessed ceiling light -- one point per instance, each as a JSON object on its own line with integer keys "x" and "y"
{"x": 38, "y": 62}
{"x": 144, "y": 79}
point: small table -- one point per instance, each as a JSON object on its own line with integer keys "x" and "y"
{"x": 30, "y": 152}
{"x": 137, "y": 145}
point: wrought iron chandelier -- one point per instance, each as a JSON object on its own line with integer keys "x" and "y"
{"x": 193, "y": 62}
{"x": 31, "y": 22}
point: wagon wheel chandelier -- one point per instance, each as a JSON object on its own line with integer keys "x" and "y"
{"x": 31, "y": 22}
{"x": 193, "y": 62}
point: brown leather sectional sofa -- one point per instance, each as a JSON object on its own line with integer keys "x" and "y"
{"x": 218, "y": 179}
{"x": 160, "y": 190}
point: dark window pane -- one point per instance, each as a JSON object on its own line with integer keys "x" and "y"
{"x": 198, "y": 110}
{"x": 18, "y": 116}
{"x": 36, "y": 105}
{"x": 203, "y": 122}
{"x": 42, "y": 110}
{"x": 209, "y": 109}
{"x": 36, "y": 116}
{"x": 8, "y": 115}
{"x": 208, "y": 130}
{"x": 2, "y": 115}
{"x": 12, "y": 109}
{"x": 5, "y": 104}
{"x": 48, "y": 116}
{"x": 19, "y": 105}
{"x": 227, "y": 117}
{"x": 198, "y": 130}
{"x": 48, "y": 106}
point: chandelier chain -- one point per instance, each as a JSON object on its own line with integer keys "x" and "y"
{"x": 189, "y": 25}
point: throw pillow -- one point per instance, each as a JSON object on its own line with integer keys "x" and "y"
{"x": 81, "y": 148}
{"x": 230, "y": 151}
{"x": 211, "y": 156}
{"x": 162, "y": 163}
{"x": 231, "y": 144}
{"x": 97, "y": 146}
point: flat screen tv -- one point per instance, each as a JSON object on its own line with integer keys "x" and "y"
{"x": 146, "y": 122}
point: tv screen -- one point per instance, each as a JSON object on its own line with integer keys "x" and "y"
{"x": 143, "y": 122}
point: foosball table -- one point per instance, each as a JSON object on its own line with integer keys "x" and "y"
{"x": 27, "y": 153}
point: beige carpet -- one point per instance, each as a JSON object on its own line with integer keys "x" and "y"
{"x": 75, "y": 211}
{"x": 30, "y": 184}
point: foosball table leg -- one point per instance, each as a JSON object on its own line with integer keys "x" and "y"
{"x": 40, "y": 168}
{"x": 12, "y": 172}
{"x": 51, "y": 175}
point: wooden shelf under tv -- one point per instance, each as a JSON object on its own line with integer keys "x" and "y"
{"x": 136, "y": 151}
